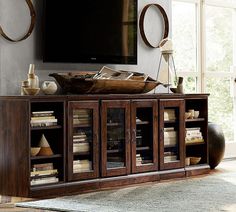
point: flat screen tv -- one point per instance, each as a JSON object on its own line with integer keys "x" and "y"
{"x": 90, "y": 31}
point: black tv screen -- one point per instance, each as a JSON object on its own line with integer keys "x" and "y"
{"x": 90, "y": 31}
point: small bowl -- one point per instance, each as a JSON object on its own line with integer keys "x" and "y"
{"x": 187, "y": 115}
{"x": 34, "y": 151}
{"x": 31, "y": 91}
{"x": 194, "y": 160}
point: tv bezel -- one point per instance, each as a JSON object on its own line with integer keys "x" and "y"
{"x": 123, "y": 60}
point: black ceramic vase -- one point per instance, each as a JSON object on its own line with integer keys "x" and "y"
{"x": 216, "y": 141}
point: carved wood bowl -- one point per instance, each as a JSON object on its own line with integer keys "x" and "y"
{"x": 83, "y": 83}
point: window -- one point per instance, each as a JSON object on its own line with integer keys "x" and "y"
{"x": 204, "y": 39}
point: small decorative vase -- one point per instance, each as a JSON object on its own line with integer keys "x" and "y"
{"x": 216, "y": 141}
{"x": 49, "y": 87}
{"x": 180, "y": 88}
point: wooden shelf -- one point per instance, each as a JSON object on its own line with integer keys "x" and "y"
{"x": 47, "y": 128}
{"x": 195, "y": 120}
{"x": 113, "y": 124}
{"x": 171, "y": 121}
{"x": 142, "y": 122}
{"x": 81, "y": 153}
{"x": 143, "y": 148}
{"x": 110, "y": 151}
{"x": 194, "y": 144}
{"x": 170, "y": 146}
{"x": 82, "y": 125}
{"x": 46, "y": 157}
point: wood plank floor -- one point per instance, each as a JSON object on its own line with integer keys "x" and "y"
{"x": 7, "y": 203}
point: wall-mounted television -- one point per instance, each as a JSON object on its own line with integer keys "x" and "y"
{"x": 90, "y": 31}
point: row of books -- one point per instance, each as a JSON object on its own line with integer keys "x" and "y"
{"x": 43, "y": 119}
{"x": 81, "y": 116}
{"x": 80, "y": 142}
{"x": 170, "y": 157}
{"x": 43, "y": 174}
{"x": 82, "y": 166}
{"x": 170, "y": 136}
{"x": 169, "y": 115}
{"x": 193, "y": 135}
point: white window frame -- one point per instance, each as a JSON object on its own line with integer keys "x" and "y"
{"x": 201, "y": 74}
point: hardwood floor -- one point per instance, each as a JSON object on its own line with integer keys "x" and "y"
{"x": 7, "y": 203}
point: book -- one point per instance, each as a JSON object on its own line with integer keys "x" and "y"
{"x": 43, "y": 166}
{"x": 43, "y": 117}
{"x": 43, "y": 172}
{"x": 44, "y": 181}
{"x": 43, "y": 120}
{"x": 44, "y": 124}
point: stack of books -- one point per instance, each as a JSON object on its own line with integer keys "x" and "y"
{"x": 169, "y": 157}
{"x": 82, "y": 166}
{"x": 193, "y": 135}
{"x": 141, "y": 160}
{"x": 170, "y": 136}
{"x": 81, "y": 117}
{"x": 43, "y": 174}
{"x": 138, "y": 160}
{"x": 43, "y": 119}
{"x": 80, "y": 143}
{"x": 169, "y": 115}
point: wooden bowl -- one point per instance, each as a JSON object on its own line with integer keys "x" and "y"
{"x": 34, "y": 151}
{"x": 31, "y": 91}
{"x": 194, "y": 160}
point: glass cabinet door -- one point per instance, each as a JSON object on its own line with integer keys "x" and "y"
{"x": 144, "y": 127}
{"x": 115, "y": 138}
{"x": 83, "y": 140}
{"x": 172, "y": 131}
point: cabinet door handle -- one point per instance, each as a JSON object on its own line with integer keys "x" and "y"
{"x": 128, "y": 136}
{"x": 134, "y": 136}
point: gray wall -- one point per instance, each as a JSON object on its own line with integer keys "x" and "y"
{"x": 16, "y": 57}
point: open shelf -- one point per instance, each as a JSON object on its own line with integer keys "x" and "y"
{"x": 46, "y": 157}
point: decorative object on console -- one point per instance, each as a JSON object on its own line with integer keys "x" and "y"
{"x": 166, "y": 67}
{"x": 31, "y": 91}
{"x": 34, "y": 151}
{"x": 32, "y": 77}
{"x": 30, "y": 30}
{"x": 179, "y": 88}
{"x": 105, "y": 81}
{"x": 45, "y": 147}
{"x": 216, "y": 141}
{"x": 141, "y": 24}
{"x": 24, "y": 84}
{"x": 49, "y": 87}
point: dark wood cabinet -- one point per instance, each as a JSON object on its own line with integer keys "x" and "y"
{"x": 83, "y": 146}
{"x": 99, "y": 141}
{"x": 115, "y": 137}
{"x": 171, "y": 115}
{"x": 144, "y": 135}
